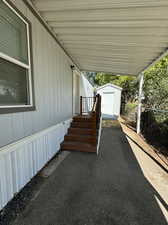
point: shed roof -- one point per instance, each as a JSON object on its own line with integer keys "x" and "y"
{"x": 115, "y": 36}
{"x": 109, "y": 85}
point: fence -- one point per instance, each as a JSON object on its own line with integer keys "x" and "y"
{"x": 159, "y": 114}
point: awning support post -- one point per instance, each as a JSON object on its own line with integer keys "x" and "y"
{"x": 141, "y": 80}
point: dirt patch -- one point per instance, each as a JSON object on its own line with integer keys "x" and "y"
{"x": 142, "y": 143}
{"x": 110, "y": 123}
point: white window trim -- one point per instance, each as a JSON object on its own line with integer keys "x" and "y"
{"x": 15, "y": 61}
{"x": 19, "y": 63}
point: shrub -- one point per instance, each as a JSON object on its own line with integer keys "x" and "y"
{"x": 155, "y": 132}
{"x": 130, "y": 107}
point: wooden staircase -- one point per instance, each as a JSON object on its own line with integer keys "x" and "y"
{"x": 83, "y": 132}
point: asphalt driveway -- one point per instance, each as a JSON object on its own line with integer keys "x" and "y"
{"x": 108, "y": 189}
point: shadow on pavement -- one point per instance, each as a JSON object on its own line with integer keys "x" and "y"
{"x": 108, "y": 189}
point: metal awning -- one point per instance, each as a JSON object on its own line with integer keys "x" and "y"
{"x": 115, "y": 36}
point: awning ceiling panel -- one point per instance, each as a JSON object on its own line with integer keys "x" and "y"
{"x": 115, "y": 36}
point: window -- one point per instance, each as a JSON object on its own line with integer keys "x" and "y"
{"x": 15, "y": 64}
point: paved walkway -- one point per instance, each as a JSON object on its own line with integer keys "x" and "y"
{"x": 108, "y": 189}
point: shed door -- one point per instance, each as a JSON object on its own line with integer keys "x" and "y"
{"x": 108, "y": 103}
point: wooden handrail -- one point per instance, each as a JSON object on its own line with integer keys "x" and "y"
{"x": 95, "y": 104}
{"x": 95, "y": 111}
{"x": 81, "y": 105}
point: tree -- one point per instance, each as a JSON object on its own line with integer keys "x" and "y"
{"x": 90, "y": 76}
{"x": 156, "y": 85}
{"x": 128, "y": 83}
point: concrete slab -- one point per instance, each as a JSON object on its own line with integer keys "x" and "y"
{"x": 109, "y": 189}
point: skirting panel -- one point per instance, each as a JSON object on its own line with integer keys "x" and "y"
{"x": 22, "y": 160}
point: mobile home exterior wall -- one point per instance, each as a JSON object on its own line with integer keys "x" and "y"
{"x": 81, "y": 87}
{"x": 34, "y": 136}
{"x": 21, "y": 160}
{"x": 30, "y": 139}
{"x": 52, "y": 75}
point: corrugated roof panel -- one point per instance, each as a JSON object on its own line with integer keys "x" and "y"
{"x": 116, "y": 36}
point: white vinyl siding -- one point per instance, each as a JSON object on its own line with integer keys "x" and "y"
{"x": 52, "y": 85}
{"x": 34, "y": 137}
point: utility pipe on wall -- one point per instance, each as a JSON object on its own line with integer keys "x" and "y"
{"x": 140, "y": 103}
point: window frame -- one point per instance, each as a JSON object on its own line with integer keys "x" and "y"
{"x": 29, "y": 67}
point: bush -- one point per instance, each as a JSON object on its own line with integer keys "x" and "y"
{"x": 155, "y": 132}
{"x": 130, "y": 107}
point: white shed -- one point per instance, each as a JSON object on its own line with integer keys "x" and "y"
{"x": 111, "y": 100}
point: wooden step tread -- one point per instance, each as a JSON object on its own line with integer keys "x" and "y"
{"x": 75, "y": 143}
{"x": 83, "y": 119}
{"x": 81, "y": 138}
{"x": 78, "y": 146}
{"x": 79, "y": 135}
{"x": 82, "y": 124}
{"x": 83, "y": 131}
